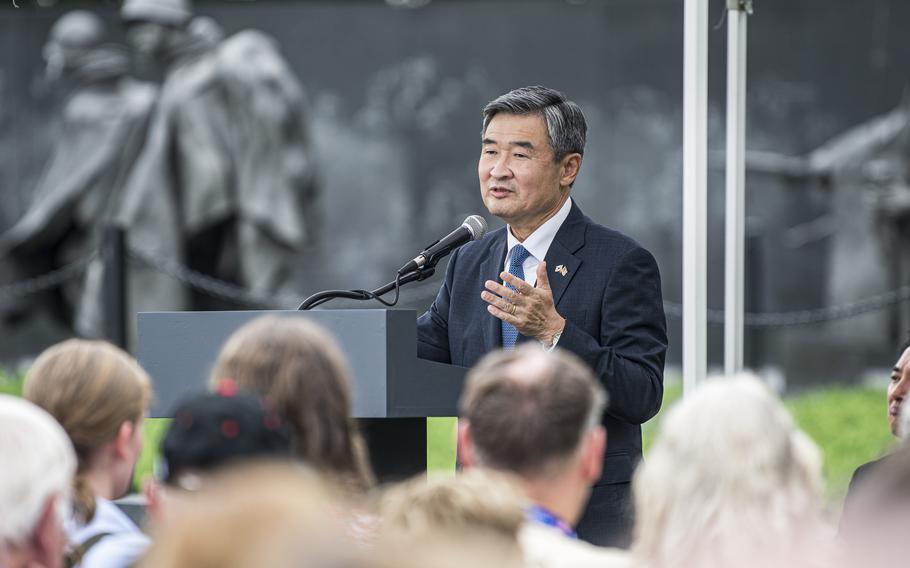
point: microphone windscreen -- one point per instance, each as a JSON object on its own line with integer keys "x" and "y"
{"x": 477, "y": 225}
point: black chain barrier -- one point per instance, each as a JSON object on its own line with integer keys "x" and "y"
{"x": 806, "y": 317}
{"x": 223, "y": 290}
{"x": 47, "y": 280}
{"x": 210, "y": 285}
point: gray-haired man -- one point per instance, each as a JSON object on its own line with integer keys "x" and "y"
{"x": 553, "y": 276}
{"x": 35, "y": 485}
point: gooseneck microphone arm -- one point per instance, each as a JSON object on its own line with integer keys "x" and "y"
{"x": 326, "y": 295}
{"x": 420, "y": 268}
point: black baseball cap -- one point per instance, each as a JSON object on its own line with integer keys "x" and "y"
{"x": 211, "y": 430}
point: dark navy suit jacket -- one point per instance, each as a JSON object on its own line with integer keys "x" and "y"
{"x": 611, "y": 299}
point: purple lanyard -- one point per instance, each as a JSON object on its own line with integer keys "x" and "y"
{"x": 538, "y": 514}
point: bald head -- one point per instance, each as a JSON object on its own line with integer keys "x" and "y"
{"x": 528, "y": 409}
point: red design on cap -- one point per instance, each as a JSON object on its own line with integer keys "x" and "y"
{"x": 227, "y": 387}
{"x": 230, "y": 429}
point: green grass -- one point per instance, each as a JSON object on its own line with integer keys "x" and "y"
{"x": 672, "y": 393}
{"x": 11, "y": 383}
{"x": 848, "y": 424}
{"x": 154, "y": 430}
{"x": 441, "y": 444}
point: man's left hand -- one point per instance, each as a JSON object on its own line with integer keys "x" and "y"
{"x": 530, "y": 309}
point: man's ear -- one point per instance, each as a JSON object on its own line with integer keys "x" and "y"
{"x": 594, "y": 445}
{"x": 47, "y": 539}
{"x": 466, "y": 454}
{"x": 123, "y": 441}
{"x": 570, "y": 166}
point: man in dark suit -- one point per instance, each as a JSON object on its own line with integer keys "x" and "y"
{"x": 898, "y": 390}
{"x": 566, "y": 281}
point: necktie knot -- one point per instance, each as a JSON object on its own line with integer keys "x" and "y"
{"x": 519, "y": 255}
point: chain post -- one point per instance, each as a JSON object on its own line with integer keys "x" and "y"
{"x": 114, "y": 300}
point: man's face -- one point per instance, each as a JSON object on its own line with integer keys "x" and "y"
{"x": 519, "y": 179}
{"x": 897, "y": 389}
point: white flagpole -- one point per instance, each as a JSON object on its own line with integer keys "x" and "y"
{"x": 737, "y": 13}
{"x": 695, "y": 192}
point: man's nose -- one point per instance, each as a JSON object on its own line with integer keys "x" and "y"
{"x": 501, "y": 168}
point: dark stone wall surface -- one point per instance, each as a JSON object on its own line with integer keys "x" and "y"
{"x": 395, "y": 98}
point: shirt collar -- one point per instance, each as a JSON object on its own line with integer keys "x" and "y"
{"x": 543, "y": 516}
{"x": 538, "y": 242}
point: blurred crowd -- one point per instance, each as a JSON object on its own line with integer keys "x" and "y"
{"x": 267, "y": 468}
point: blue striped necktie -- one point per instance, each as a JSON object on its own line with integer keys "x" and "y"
{"x": 519, "y": 255}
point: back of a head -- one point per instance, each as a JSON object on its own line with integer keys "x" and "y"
{"x": 473, "y": 500}
{"x": 728, "y": 474}
{"x": 528, "y": 410}
{"x": 476, "y": 512}
{"x": 38, "y": 465}
{"x": 274, "y": 515}
{"x": 297, "y": 366}
{"x": 91, "y": 388}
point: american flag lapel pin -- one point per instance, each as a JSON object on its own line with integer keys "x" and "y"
{"x": 562, "y": 270}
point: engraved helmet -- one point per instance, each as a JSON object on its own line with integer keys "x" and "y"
{"x": 168, "y": 12}
{"x": 74, "y": 35}
{"x": 77, "y": 29}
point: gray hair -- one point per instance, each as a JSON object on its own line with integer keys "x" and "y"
{"x": 566, "y": 126}
{"x": 728, "y": 456}
{"x": 39, "y": 464}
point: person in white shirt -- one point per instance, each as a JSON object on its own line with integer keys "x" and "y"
{"x": 100, "y": 395}
{"x": 35, "y": 490}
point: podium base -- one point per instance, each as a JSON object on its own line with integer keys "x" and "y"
{"x": 398, "y": 446}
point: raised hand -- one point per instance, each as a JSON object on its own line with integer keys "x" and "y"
{"x": 530, "y": 309}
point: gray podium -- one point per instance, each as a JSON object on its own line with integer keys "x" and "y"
{"x": 394, "y": 391}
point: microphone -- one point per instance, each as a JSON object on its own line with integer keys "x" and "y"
{"x": 473, "y": 228}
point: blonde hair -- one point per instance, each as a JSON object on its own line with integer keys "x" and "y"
{"x": 479, "y": 512}
{"x": 266, "y": 514}
{"x": 302, "y": 372}
{"x": 730, "y": 479}
{"x": 91, "y": 388}
{"x": 475, "y": 499}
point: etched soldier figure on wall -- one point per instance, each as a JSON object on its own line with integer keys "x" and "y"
{"x": 227, "y": 152}
{"x": 213, "y": 170}
{"x": 103, "y": 122}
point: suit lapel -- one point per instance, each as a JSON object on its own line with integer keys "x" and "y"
{"x": 489, "y": 270}
{"x": 561, "y": 255}
{"x": 562, "y": 264}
